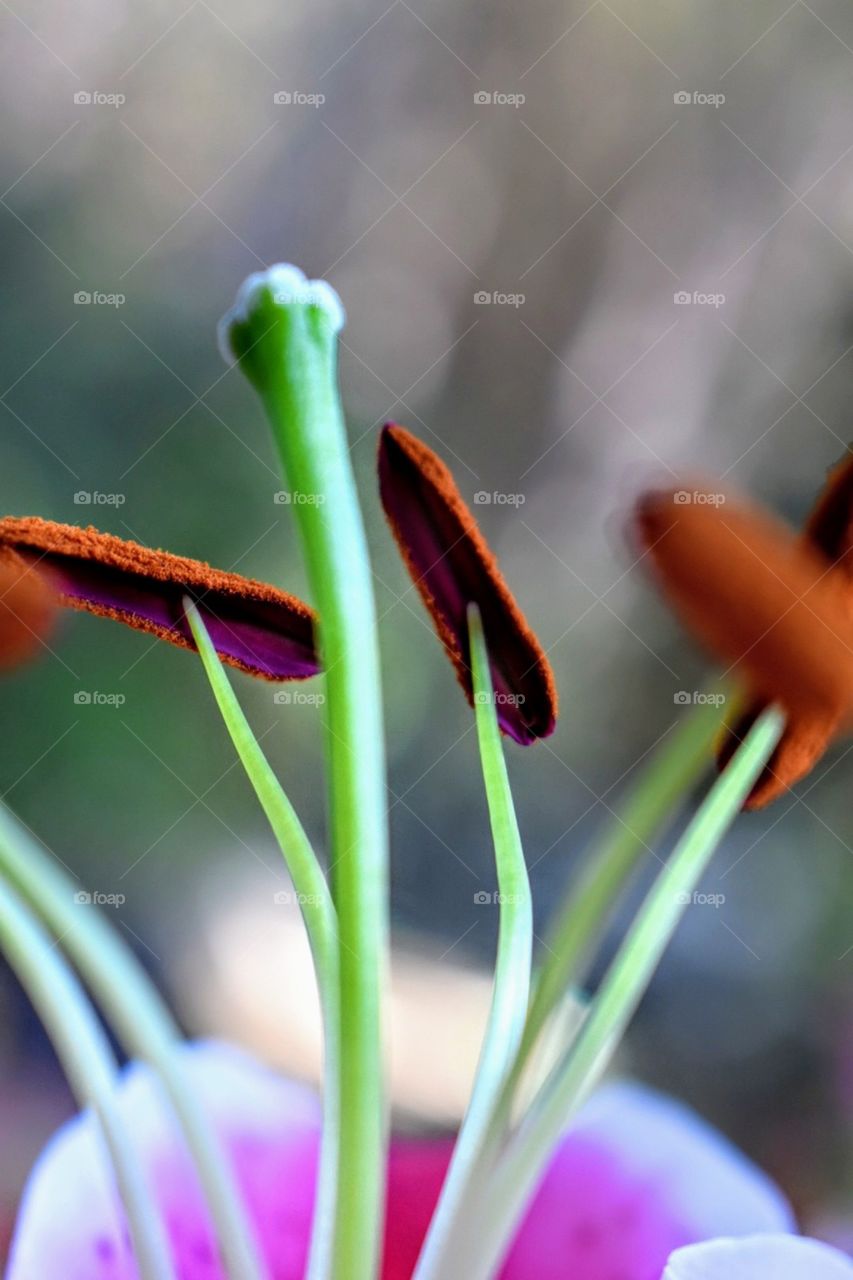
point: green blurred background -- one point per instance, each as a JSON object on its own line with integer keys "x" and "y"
{"x": 545, "y": 157}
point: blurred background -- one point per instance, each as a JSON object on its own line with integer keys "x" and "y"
{"x": 582, "y": 246}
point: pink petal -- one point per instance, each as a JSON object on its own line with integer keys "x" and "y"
{"x": 639, "y": 1176}
{"x": 69, "y": 1226}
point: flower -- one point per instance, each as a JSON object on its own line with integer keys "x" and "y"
{"x": 767, "y": 603}
{"x": 254, "y": 626}
{"x": 27, "y": 609}
{"x": 452, "y": 567}
{"x": 638, "y": 1176}
{"x": 759, "y": 1258}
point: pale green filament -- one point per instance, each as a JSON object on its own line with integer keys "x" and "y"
{"x": 141, "y": 1020}
{"x": 505, "y": 1195}
{"x": 88, "y": 1061}
{"x": 320, "y": 920}
{"x": 512, "y": 970}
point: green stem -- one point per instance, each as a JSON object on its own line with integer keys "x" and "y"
{"x": 505, "y": 1196}
{"x": 512, "y": 970}
{"x": 286, "y": 344}
{"x": 89, "y": 1064}
{"x": 141, "y": 1020}
{"x": 320, "y": 918}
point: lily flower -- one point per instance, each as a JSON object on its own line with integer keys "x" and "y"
{"x": 255, "y": 627}
{"x": 452, "y": 567}
{"x": 767, "y": 603}
{"x": 638, "y": 1176}
{"x": 27, "y": 609}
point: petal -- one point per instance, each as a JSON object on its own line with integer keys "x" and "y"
{"x": 452, "y": 567}
{"x": 637, "y": 1177}
{"x": 69, "y": 1225}
{"x": 759, "y": 1258}
{"x": 756, "y": 598}
{"x": 254, "y": 626}
{"x": 27, "y": 609}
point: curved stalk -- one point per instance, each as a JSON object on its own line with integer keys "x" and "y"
{"x": 318, "y": 911}
{"x": 142, "y": 1022}
{"x": 512, "y": 969}
{"x": 507, "y": 1192}
{"x": 90, "y": 1066}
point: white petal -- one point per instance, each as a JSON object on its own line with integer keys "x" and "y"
{"x": 759, "y": 1258}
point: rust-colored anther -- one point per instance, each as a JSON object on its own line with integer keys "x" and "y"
{"x": 452, "y": 567}
{"x": 768, "y": 604}
{"x": 254, "y": 626}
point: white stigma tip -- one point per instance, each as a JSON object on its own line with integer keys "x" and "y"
{"x": 287, "y": 284}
